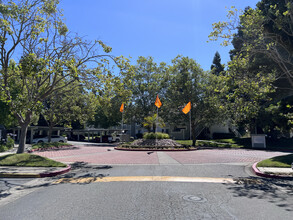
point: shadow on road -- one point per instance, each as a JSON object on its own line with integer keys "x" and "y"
{"x": 80, "y": 170}
{"x": 276, "y": 191}
{"x": 10, "y": 186}
{"x": 5, "y": 187}
{"x": 84, "y": 170}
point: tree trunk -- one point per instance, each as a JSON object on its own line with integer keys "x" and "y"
{"x": 50, "y": 132}
{"x": 22, "y": 140}
{"x": 192, "y": 134}
{"x": 253, "y": 127}
{"x": 23, "y": 123}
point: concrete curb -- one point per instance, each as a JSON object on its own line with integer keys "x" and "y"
{"x": 50, "y": 174}
{"x": 35, "y": 175}
{"x": 259, "y": 173}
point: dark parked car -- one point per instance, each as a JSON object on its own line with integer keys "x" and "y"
{"x": 74, "y": 137}
{"x": 105, "y": 139}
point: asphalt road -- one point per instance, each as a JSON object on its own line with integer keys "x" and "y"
{"x": 80, "y": 195}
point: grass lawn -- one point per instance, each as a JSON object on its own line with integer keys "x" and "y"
{"x": 231, "y": 143}
{"x": 49, "y": 145}
{"x": 184, "y": 142}
{"x": 237, "y": 142}
{"x": 280, "y": 161}
{"x": 28, "y": 160}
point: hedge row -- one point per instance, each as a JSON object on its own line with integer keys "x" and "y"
{"x": 203, "y": 143}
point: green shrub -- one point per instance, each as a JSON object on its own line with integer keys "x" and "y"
{"x": 10, "y": 142}
{"x": 45, "y": 145}
{"x": 202, "y": 143}
{"x": 157, "y": 135}
{"x": 8, "y": 145}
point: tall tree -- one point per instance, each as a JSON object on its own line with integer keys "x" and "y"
{"x": 217, "y": 67}
{"x": 263, "y": 52}
{"x": 248, "y": 91}
{"x": 63, "y": 108}
{"x": 115, "y": 92}
{"x": 147, "y": 82}
{"x": 34, "y": 29}
{"x": 266, "y": 30}
{"x": 189, "y": 83}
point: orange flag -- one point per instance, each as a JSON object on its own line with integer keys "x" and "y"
{"x": 187, "y": 108}
{"x": 122, "y": 107}
{"x": 158, "y": 102}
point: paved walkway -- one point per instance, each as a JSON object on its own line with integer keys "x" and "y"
{"x": 107, "y": 155}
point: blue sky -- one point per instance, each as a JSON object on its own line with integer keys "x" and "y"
{"x": 162, "y": 29}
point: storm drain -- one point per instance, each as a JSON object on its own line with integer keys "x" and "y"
{"x": 191, "y": 198}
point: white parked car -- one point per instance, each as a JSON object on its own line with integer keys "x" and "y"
{"x": 116, "y": 138}
{"x": 54, "y": 138}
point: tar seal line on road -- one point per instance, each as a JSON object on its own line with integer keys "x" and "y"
{"x": 146, "y": 179}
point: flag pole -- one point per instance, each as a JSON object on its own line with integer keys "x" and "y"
{"x": 190, "y": 124}
{"x": 185, "y": 110}
{"x": 122, "y": 123}
{"x": 158, "y": 104}
{"x": 122, "y": 111}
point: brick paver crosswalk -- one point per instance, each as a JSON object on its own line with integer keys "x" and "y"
{"x": 107, "y": 155}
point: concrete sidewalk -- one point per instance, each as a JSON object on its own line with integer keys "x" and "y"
{"x": 273, "y": 172}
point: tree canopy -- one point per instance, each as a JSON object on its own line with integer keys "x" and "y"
{"x": 189, "y": 83}
{"x": 261, "y": 62}
{"x": 51, "y": 58}
{"x": 147, "y": 82}
{"x": 217, "y": 67}
{"x": 265, "y": 30}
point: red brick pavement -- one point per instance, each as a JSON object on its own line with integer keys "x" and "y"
{"x": 75, "y": 152}
{"x": 116, "y": 157}
{"x": 102, "y": 155}
{"x": 222, "y": 156}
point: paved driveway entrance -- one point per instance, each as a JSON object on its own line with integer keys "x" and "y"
{"x": 107, "y": 155}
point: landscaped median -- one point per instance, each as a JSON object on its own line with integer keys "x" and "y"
{"x": 39, "y": 166}
{"x": 276, "y": 167}
{"x": 150, "y": 143}
{"x": 154, "y": 148}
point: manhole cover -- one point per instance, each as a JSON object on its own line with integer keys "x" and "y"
{"x": 191, "y": 198}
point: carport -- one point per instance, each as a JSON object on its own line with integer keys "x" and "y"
{"x": 32, "y": 130}
{"x": 91, "y": 133}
